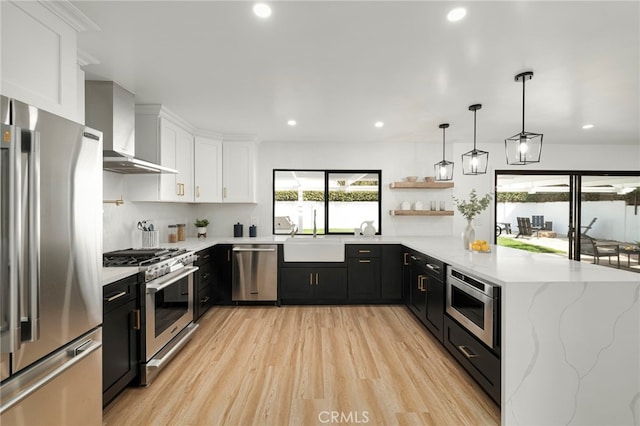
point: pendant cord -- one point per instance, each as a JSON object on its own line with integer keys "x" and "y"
{"x": 523, "y": 80}
{"x": 474, "y": 130}
{"x": 443, "y": 144}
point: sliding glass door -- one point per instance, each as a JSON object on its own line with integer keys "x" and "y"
{"x": 584, "y": 215}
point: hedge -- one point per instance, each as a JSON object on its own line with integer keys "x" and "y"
{"x": 524, "y": 197}
{"x": 333, "y": 196}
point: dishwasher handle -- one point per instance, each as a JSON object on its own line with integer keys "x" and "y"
{"x": 242, "y": 249}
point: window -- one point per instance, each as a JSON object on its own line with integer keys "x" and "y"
{"x": 339, "y": 200}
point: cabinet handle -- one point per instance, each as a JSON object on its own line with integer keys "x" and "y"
{"x": 404, "y": 258}
{"x": 206, "y": 256}
{"x": 224, "y": 192}
{"x": 466, "y": 352}
{"x": 364, "y": 251}
{"x": 204, "y": 300}
{"x": 182, "y": 189}
{"x": 228, "y": 255}
{"x": 198, "y": 191}
{"x": 316, "y": 278}
{"x": 135, "y": 319}
{"x": 433, "y": 267}
{"x": 364, "y": 261}
{"x": 310, "y": 278}
{"x": 113, "y": 297}
{"x": 205, "y": 277}
{"x": 177, "y": 188}
{"x": 421, "y": 282}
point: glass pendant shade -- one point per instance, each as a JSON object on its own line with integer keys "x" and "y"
{"x": 524, "y": 147}
{"x": 475, "y": 161}
{"x": 443, "y": 170}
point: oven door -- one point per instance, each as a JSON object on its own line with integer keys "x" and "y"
{"x": 169, "y": 308}
{"x": 473, "y": 309}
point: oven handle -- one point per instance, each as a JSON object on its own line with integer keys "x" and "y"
{"x": 167, "y": 280}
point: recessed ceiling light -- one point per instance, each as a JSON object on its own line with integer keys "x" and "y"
{"x": 292, "y": 122}
{"x": 588, "y": 126}
{"x": 262, "y": 10}
{"x": 379, "y": 124}
{"x": 456, "y": 14}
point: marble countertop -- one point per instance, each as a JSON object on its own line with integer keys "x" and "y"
{"x": 503, "y": 266}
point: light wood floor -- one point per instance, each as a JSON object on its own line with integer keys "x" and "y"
{"x": 301, "y": 365}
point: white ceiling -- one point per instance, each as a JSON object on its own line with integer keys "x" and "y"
{"x": 337, "y": 67}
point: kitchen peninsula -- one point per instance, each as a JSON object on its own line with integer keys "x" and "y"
{"x": 570, "y": 331}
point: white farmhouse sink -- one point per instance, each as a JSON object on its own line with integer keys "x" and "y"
{"x": 298, "y": 249}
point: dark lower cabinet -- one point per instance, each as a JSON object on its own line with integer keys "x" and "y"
{"x": 417, "y": 288}
{"x": 120, "y": 331}
{"x": 482, "y": 364}
{"x": 364, "y": 278}
{"x": 202, "y": 299}
{"x": 222, "y": 270}
{"x": 435, "y": 294}
{"x": 374, "y": 273}
{"x": 391, "y": 273}
{"x": 313, "y": 284}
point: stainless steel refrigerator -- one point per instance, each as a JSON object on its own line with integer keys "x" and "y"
{"x": 50, "y": 283}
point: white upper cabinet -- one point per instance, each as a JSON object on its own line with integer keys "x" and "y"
{"x": 238, "y": 172}
{"x": 165, "y": 139}
{"x": 39, "y": 57}
{"x": 207, "y": 170}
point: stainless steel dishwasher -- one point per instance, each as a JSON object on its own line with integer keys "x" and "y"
{"x": 255, "y": 272}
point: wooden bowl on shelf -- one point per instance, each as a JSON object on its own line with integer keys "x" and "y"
{"x": 412, "y": 178}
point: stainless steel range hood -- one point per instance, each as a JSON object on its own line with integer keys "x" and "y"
{"x": 114, "y": 162}
{"x": 111, "y": 109}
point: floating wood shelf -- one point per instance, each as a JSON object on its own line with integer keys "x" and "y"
{"x": 421, "y": 185}
{"x": 421, "y": 212}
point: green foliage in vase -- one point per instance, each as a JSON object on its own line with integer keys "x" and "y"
{"x": 201, "y": 223}
{"x": 470, "y": 209}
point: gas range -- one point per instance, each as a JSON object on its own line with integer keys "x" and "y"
{"x": 154, "y": 262}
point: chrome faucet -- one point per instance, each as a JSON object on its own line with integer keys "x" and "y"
{"x": 315, "y": 230}
{"x": 294, "y": 228}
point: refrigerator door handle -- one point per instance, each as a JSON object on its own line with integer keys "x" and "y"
{"x": 30, "y": 328}
{"x": 11, "y": 251}
{"x": 78, "y": 354}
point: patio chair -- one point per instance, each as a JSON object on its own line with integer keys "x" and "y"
{"x": 588, "y": 227}
{"x": 537, "y": 222}
{"x": 591, "y": 247}
{"x": 524, "y": 227}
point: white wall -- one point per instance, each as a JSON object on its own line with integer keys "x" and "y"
{"x": 396, "y": 160}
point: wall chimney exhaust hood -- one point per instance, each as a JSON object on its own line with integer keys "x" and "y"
{"x": 111, "y": 109}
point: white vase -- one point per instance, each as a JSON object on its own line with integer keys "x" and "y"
{"x": 468, "y": 235}
{"x": 202, "y": 231}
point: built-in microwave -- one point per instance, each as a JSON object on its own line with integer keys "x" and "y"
{"x": 475, "y": 305}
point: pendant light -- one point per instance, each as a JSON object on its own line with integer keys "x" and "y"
{"x": 475, "y": 161}
{"x": 525, "y": 147}
{"x": 443, "y": 170}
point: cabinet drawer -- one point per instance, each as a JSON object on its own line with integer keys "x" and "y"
{"x": 363, "y": 250}
{"x": 479, "y": 361}
{"x": 119, "y": 293}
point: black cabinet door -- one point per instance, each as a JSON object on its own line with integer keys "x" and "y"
{"x": 407, "y": 266}
{"x": 120, "y": 337}
{"x": 364, "y": 278}
{"x": 296, "y": 283}
{"x": 221, "y": 274}
{"x": 391, "y": 272}
{"x": 202, "y": 283}
{"x": 435, "y": 306}
{"x": 330, "y": 284}
{"x": 418, "y": 292}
